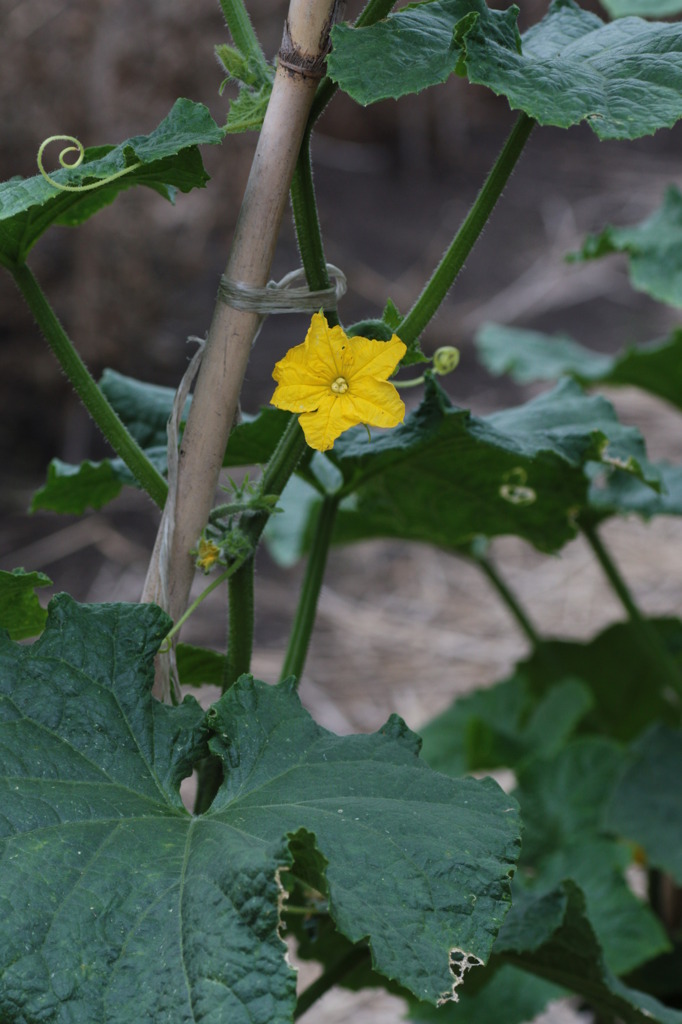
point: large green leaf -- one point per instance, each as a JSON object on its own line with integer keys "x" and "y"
{"x": 117, "y": 904}
{"x": 618, "y": 493}
{"x": 551, "y": 936}
{"x": 446, "y": 476}
{"x": 616, "y": 667}
{"x": 145, "y": 408}
{"x": 604, "y": 687}
{"x": 643, "y": 8}
{"x": 624, "y": 79}
{"x": 563, "y": 800}
{"x": 646, "y": 804}
{"x": 70, "y": 490}
{"x": 503, "y": 725}
{"x": 412, "y": 49}
{"x": 530, "y": 356}
{"x": 654, "y": 248}
{"x": 168, "y": 159}
{"x": 21, "y": 613}
{"x": 511, "y": 995}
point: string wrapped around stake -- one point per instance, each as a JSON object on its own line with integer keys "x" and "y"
{"x": 276, "y": 297}
{"x": 284, "y": 296}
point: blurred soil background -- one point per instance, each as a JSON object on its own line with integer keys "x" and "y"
{"x": 401, "y": 627}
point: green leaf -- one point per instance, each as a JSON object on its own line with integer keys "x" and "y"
{"x": 654, "y": 248}
{"x": 117, "y": 904}
{"x": 513, "y": 472}
{"x": 380, "y": 817}
{"x": 646, "y": 804}
{"x": 21, "y": 613}
{"x": 624, "y": 79}
{"x": 168, "y": 159}
{"x": 70, "y": 490}
{"x": 620, "y": 493}
{"x": 643, "y": 8}
{"x": 531, "y": 356}
{"x": 511, "y": 995}
{"x": 551, "y": 936}
{"x": 247, "y": 110}
{"x": 617, "y": 670}
{"x": 502, "y": 725}
{"x": 412, "y": 49}
{"x": 143, "y": 407}
{"x": 288, "y": 535}
{"x": 253, "y": 441}
{"x": 198, "y": 666}
{"x": 563, "y": 800}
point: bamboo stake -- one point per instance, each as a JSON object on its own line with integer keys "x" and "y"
{"x": 300, "y": 66}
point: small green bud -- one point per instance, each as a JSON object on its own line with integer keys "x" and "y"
{"x": 445, "y": 360}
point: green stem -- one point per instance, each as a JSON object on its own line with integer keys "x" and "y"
{"x": 87, "y": 388}
{"x": 241, "y": 30}
{"x": 510, "y": 600}
{"x": 283, "y": 462}
{"x": 650, "y": 642}
{"x": 307, "y": 223}
{"x": 240, "y": 624}
{"x": 303, "y": 202}
{"x": 452, "y": 262}
{"x": 357, "y": 956}
{"x": 304, "y": 620}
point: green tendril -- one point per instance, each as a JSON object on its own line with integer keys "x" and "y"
{"x": 76, "y": 147}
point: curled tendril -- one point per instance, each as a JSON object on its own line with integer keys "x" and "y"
{"x": 514, "y": 489}
{"x": 75, "y": 147}
{"x": 445, "y": 360}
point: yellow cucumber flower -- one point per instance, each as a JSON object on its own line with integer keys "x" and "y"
{"x": 335, "y": 382}
{"x": 208, "y": 554}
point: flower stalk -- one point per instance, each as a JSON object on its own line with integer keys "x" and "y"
{"x": 304, "y": 619}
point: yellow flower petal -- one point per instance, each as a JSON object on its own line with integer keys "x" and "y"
{"x": 334, "y": 383}
{"x": 376, "y": 359}
{"x": 376, "y": 402}
{"x": 299, "y": 397}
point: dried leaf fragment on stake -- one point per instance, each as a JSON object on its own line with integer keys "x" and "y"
{"x": 333, "y": 382}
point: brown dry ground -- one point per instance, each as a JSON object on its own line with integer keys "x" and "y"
{"x": 401, "y": 627}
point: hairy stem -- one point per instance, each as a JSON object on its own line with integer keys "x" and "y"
{"x": 304, "y": 619}
{"x": 241, "y": 30}
{"x": 452, "y": 262}
{"x": 87, "y": 388}
{"x": 240, "y": 624}
{"x": 509, "y": 599}
{"x": 283, "y": 462}
{"x": 303, "y": 202}
{"x": 650, "y": 642}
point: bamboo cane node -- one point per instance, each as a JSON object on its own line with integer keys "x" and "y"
{"x": 302, "y": 66}
{"x": 300, "y": 63}
{"x": 283, "y": 296}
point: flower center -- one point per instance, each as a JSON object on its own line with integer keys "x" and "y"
{"x": 339, "y": 386}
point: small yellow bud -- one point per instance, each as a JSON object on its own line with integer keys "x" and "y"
{"x": 207, "y": 555}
